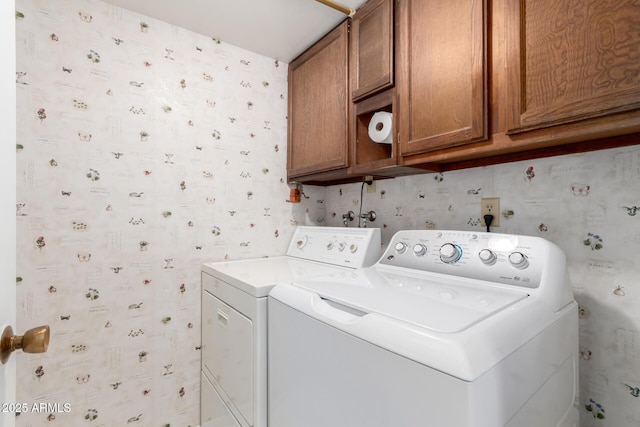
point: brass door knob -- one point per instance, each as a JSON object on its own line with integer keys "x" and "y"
{"x": 35, "y": 340}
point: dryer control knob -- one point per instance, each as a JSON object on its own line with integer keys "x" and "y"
{"x": 450, "y": 253}
{"x": 329, "y": 246}
{"x": 341, "y": 246}
{"x": 419, "y": 249}
{"x": 400, "y": 247}
{"x": 519, "y": 260}
{"x": 353, "y": 248}
{"x": 301, "y": 243}
{"x": 487, "y": 256}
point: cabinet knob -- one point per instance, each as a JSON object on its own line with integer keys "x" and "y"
{"x": 35, "y": 340}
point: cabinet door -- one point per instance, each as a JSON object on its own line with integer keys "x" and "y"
{"x": 372, "y": 49}
{"x": 319, "y": 106}
{"x": 569, "y": 61}
{"x": 441, "y": 73}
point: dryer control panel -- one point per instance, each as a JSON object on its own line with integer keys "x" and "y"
{"x": 350, "y": 247}
{"x": 500, "y": 258}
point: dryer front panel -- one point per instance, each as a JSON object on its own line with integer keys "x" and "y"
{"x": 228, "y": 353}
{"x": 213, "y": 412}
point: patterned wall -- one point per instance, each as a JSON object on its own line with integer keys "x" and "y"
{"x": 588, "y": 204}
{"x": 143, "y": 150}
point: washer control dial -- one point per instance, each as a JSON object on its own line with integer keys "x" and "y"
{"x": 330, "y": 246}
{"x": 450, "y": 253}
{"x": 487, "y": 256}
{"x": 353, "y": 248}
{"x": 419, "y": 249}
{"x": 341, "y": 246}
{"x": 400, "y": 247}
{"x": 519, "y": 260}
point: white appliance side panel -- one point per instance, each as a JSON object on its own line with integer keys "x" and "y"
{"x": 547, "y": 407}
{"x": 320, "y": 376}
{"x": 228, "y": 355}
{"x": 213, "y": 412}
{"x": 537, "y": 384}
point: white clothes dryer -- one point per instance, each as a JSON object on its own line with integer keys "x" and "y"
{"x": 234, "y": 316}
{"x": 448, "y": 328}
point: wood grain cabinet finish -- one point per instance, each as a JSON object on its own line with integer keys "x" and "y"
{"x": 371, "y": 48}
{"x": 319, "y": 106}
{"x": 441, "y": 73}
{"x": 569, "y": 61}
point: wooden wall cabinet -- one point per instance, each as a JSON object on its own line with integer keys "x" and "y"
{"x": 371, "y": 49}
{"x": 563, "y": 79}
{"x": 319, "y": 107}
{"x": 441, "y": 74}
{"x": 570, "y": 61}
{"x": 373, "y": 63}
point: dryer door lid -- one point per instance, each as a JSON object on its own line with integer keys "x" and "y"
{"x": 440, "y": 304}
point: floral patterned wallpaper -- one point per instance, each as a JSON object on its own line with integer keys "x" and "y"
{"x": 143, "y": 151}
{"x": 588, "y": 204}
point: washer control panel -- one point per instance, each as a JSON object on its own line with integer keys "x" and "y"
{"x": 500, "y": 258}
{"x": 353, "y": 247}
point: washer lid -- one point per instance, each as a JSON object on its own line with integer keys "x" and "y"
{"x": 436, "y": 302}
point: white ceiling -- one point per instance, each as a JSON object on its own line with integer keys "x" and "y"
{"x": 279, "y": 29}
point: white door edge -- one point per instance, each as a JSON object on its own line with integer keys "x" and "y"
{"x": 8, "y": 205}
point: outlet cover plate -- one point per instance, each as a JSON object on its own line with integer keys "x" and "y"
{"x": 371, "y": 188}
{"x": 490, "y": 205}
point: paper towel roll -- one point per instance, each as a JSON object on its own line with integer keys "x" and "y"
{"x": 380, "y": 127}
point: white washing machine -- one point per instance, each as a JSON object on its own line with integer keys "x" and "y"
{"x": 234, "y": 316}
{"x": 447, "y": 329}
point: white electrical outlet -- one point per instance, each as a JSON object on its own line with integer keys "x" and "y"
{"x": 490, "y": 206}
